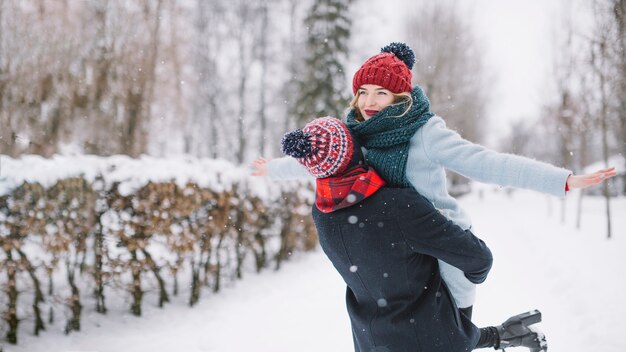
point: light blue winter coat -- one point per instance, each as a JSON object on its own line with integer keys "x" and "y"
{"x": 435, "y": 148}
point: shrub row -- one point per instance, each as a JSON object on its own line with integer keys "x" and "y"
{"x": 90, "y": 239}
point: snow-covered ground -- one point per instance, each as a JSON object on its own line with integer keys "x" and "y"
{"x": 577, "y": 278}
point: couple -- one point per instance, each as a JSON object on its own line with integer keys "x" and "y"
{"x": 411, "y": 270}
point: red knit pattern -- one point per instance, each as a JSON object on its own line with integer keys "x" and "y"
{"x": 385, "y": 70}
{"x": 332, "y": 147}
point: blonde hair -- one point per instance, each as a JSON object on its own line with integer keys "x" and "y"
{"x": 398, "y": 98}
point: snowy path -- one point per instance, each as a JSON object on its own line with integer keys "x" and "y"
{"x": 576, "y": 278}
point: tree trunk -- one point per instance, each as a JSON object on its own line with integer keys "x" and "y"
{"x": 39, "y": 325}
{"x": 180, "y": 106}
{"x": 241, "y": 245}
{"x": 605, "y": 143}
{"x": 195, "y": 283}
{"x": 73, "y": 324}
{"x": 98, "y": 140}
{"x": 218, "y": 267}
{"x": 263, "y": 82}
{"x": 206, "y": 263}
{"x": 242, "y": 33}
{"x": 98, "y": 249}
{"x": 241, "y": 138}
{"x": 583, "y": 162}
{"x": 7, "y": 142}
{"x": 10, "y": 316}
{"x": 285, "y": 247}
{"x": 138, "y": 112}
{"x": 136, "y": 290}
{"x": 203, "y": 131}
{"x": 163, "y": 297}
{"x": 619, "y": 10}
{"x": 289, "y": 93}
{"x": 260, "y": 254}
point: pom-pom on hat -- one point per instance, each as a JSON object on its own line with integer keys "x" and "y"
{"x": 324, "y": 146}
{"x": 390, "y": 69}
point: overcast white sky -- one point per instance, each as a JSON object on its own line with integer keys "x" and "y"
{"x": 517, "y": 36}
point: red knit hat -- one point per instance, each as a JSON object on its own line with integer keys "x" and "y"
{"x": 324, "y": 146}
{"x": 390, "y": 69}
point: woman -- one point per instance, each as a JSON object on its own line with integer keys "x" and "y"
{"x": 409, "y": 146}
{"x": 385, "y": 243}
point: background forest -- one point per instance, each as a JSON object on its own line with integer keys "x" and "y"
{"x": 225, "y": 79}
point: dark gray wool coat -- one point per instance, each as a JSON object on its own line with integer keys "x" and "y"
{"x": 385, "y": 248}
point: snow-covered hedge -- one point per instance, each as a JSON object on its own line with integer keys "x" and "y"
{"x": 74, "y": 228}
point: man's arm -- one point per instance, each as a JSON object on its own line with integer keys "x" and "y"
{"x": 427, "y": 231}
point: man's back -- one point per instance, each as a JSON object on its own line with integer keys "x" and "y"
{"x": 385, "y": 248}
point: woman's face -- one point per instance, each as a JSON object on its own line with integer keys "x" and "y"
{"x": 372, "y": 99}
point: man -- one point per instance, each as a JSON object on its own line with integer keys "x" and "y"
{"x": 385, "y": 243}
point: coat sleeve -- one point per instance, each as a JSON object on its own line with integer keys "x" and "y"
{"x": 287, "y": 168}
{"x": 448, "y": 149}
{"x": 427, "y": 231}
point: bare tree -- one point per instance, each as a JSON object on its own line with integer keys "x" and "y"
{"x": 292, "y": 50}
{"x": 98, "y": 80}
{"x": 602, "y": 70}
{"x": 7, "y": 136}
{"x": 244, "y": 40}
{"x": 202, "y": 135}
{"x": 139, "y": 97}
{"x": 179, "y": 109}
{"x": 586, "y": 111}
{"x": 572, "y": 118}
{"x": 34, "y": 95}
{"x": 109, "y": 77}
{"x": 263, "y": 58}
{"x": 586, "y": 124}
{"x": 449, "y": 68}
{"x": 563, "y": 114}
{"x": 619, "y": 13}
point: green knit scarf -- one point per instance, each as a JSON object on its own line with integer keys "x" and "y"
{"x": 386, "y": 136}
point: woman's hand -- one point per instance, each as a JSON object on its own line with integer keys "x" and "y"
{"x": 259, "y": 167}
{"x": 584, "y": 181}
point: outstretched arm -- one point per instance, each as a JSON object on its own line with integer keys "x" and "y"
{"x": 448, "y": 149}
{"x": 286, "y": 168}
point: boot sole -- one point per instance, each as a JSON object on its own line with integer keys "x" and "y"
{"x": 530, "y": 318}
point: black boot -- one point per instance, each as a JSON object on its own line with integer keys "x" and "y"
{"x": 515, "y": 332}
